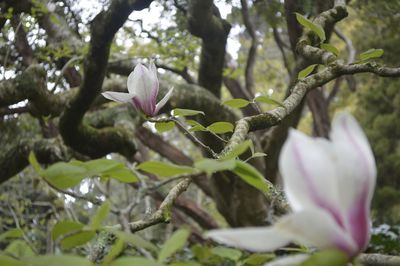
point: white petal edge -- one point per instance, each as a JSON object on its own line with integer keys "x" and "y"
{"x": 309, "y": 176}
{"x": 291, "y": 260}
{"x": 163, "y": 101}
{"x": 316, "y": 228}
{"x": 118, "y": 96}
{"x": 133, "y": 78}
{"x": 357, "y": 174}
{"x": 153, "y": 69}
{"x": 354, "y": 158}
{"x": 256, "y": 239}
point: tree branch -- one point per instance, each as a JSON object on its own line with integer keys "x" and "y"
{"x": 379, "y": 260}
{"x": 76, "y": 134}
{"x": 205, "y": 22}
{"x": 252, "y": 55}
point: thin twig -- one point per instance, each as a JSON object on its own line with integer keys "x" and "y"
{"x": 64, "y": 68}
{"x": 191, "y": 136}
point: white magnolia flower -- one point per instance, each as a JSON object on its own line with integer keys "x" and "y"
{"x": 142, "y": 90}
{"x": 329, "y": 185}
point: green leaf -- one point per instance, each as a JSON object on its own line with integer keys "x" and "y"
{"x": 59, "y": 260}
{"x": 35, "y": 164}
{"x": 8, "y": 261}
{"x": 251, "y": 176}
{"x": 185, "y": 112}
{"x": 201, "y": 253}
{"x": 268, "y": 100}
{"x": 211, "y": 166}
{"x": 114, "y": 251}
{"x": 220, "y": 127}
{"x": 64, "y": 175}
{"x": 174, "y": 244}
{"x": 307, "y": 71}
{"x": 164, "y": 126}
{"x": 122, "y": 174}
{"x": 227, "y": 253}
{"x": 196, "y": 126}
{"x": 95, "y": 167}
{"x": 370, "y": 54}
{"x": 12, "y": 233}
{"x": 65, "y": 227}
{"x": 78, "y": 239}
{"x": 101, "y": 215}
{"x": 134, "y": 240}
{"x": 255, "y": 155}
{"x": 326, "y": 257}
{"x": 19, "y": 249}
{"x": 258, "y": 259}
{"x": 107, "y": 168}
{"x": 164, "y": 169}
{"x": 238, "y": 150}
{"x": 317, "y": 29}
{"x": 134, "y": 261}
{"x": 330, "y": 48}
{"x": 236, "y": 103}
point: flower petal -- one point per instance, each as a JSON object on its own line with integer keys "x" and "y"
{"x": 143, "y": 83}
{"x": 153, "y": 69}
{"x": 256, "y": 239}
{"x": 291, "y": 260}
{"x": 357, "y": 174}
{"x": 118, "y": 96}
{"x": 309, "y": 176}
{"x": 163, "y": 101}
{"x": 316, "y": 227}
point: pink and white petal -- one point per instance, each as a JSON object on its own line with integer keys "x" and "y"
{"x": 118, "y": 96}
{"x": 133, "y": 78}
{"x": 163, "y": 101}
{"x": 256, "y": 239}
{"x": 309, "y": 176}
{"x": 144, "y": 107}
{"x": 140, "y": 83}
{"x": 317, "y": 228}
{"x": 353, "y": 155}
{"x": 357, "y": 175}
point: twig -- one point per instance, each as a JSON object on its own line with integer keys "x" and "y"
{"x": 187, "y": 133}
{"x": 163, "y": 183}
{"x": 17, "y": 224}
{"x": 281, "y": 45}
{"x": 163, "y": 213}
{"x": 349, "y": 45}
{"x": 64, "y": 68}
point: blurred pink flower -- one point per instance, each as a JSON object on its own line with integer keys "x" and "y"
{"x": 329, "y": 185}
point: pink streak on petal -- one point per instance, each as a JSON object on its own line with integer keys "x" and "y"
{"x": 359, "y": 213}
{"x": 317, "y": 198}
{"x": 153, "y": 97}
{"x": 359, "y": 219}
{"x": 140, "y": 106}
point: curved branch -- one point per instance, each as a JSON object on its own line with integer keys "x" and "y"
{"x": 81, "y": 137}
